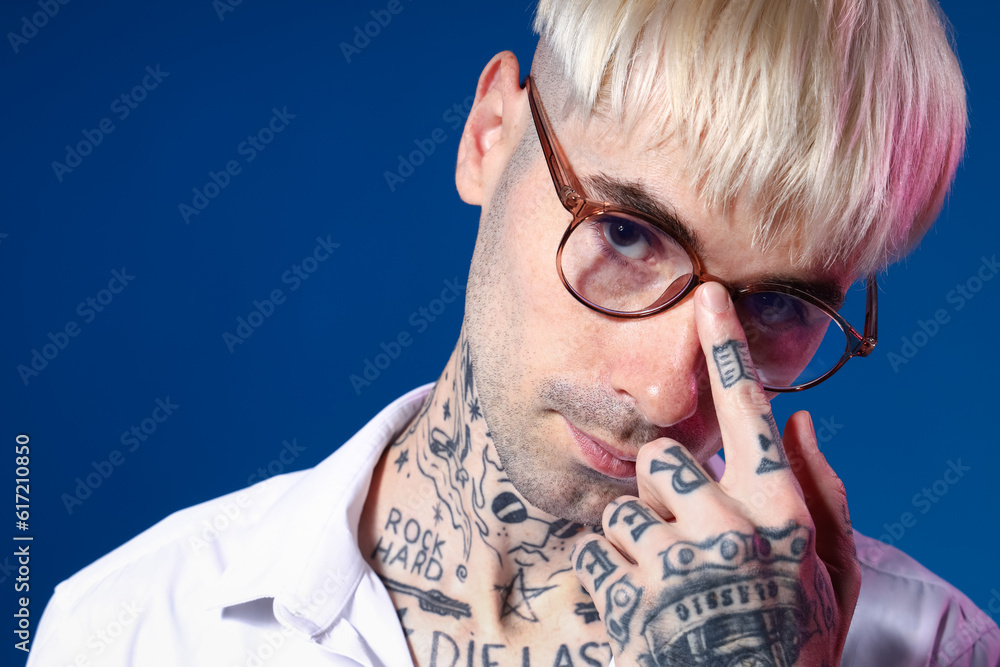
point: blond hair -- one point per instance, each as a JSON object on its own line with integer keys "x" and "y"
{"x": 838, "y": 122}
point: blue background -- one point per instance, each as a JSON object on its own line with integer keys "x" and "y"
{"x": 324, "y": 175}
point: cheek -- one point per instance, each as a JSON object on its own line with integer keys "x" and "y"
{"x": 559, "y": 333}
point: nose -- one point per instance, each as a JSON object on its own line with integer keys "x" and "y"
{"x": 661, "y": 366}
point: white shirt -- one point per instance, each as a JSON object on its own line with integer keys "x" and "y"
{"x": 272, "y": 576}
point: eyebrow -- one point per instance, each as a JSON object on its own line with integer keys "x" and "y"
{"x": 635, "y": 195}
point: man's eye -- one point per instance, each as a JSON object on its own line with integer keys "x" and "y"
{"x": 626, "y": 238}
{"x": 778, "y": 309}
{"x": 771, "y": 309}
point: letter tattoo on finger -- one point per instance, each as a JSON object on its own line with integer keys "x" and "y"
{"x": 598, "y": 560}
{"x": 687, "y": 476}
{"x": 634, "y": 514}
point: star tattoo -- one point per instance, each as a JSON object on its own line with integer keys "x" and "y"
{"x": 516, "y": 597}
{"x": 447, "y": 409}
{"x": 474, "y": 411}
{"x": 437, "y": 514}
{"x": 401, "y": 460}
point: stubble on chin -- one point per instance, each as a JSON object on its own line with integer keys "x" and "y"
{"x": 537, "y": 458}
{"x": 537, "y": 454}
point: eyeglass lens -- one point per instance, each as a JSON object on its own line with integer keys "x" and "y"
{"x": 625, "y": 264}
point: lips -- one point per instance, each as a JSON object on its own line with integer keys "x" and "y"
{"x": 601, "y": 456}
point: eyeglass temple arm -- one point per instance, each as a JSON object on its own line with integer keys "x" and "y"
{"x": 870, "y": 339}
{"x": 566, "y": 183}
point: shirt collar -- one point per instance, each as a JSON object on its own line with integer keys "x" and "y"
{"x": 303, "y": 551}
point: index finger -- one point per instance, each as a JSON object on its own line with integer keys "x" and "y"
{"x": 750, "y": 437}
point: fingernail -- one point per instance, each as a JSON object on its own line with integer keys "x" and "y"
{"x": 715, "y": 297}
{"x": 812, "y": 433}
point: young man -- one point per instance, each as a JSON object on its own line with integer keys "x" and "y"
{"x": 674, "y": 204}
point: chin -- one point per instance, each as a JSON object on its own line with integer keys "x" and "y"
{"x": 570, "y": 492}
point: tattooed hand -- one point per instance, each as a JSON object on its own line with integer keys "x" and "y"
{"x": 694, "y": 572}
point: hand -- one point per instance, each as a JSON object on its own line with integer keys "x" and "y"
{"x": 757, "y": 569}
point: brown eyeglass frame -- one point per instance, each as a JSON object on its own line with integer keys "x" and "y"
{"x": 570, "y": 194}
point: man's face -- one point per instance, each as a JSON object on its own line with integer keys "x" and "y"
{"x": 570, "y": 395}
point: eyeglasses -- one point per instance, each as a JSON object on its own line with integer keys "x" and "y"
{"x": 623, "y": 263}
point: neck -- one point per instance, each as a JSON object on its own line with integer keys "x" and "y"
{"x": 442, "y": 516}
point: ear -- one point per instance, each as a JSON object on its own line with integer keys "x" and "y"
{"x": 492, "y": 129}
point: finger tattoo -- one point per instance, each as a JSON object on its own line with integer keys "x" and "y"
{"x": 598, "y": 560}
{"x": 732, "y": 359}
{"x": 687, "y": 476}
{"x": 775, "y": 460}
{"x": 632, "y": 513}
